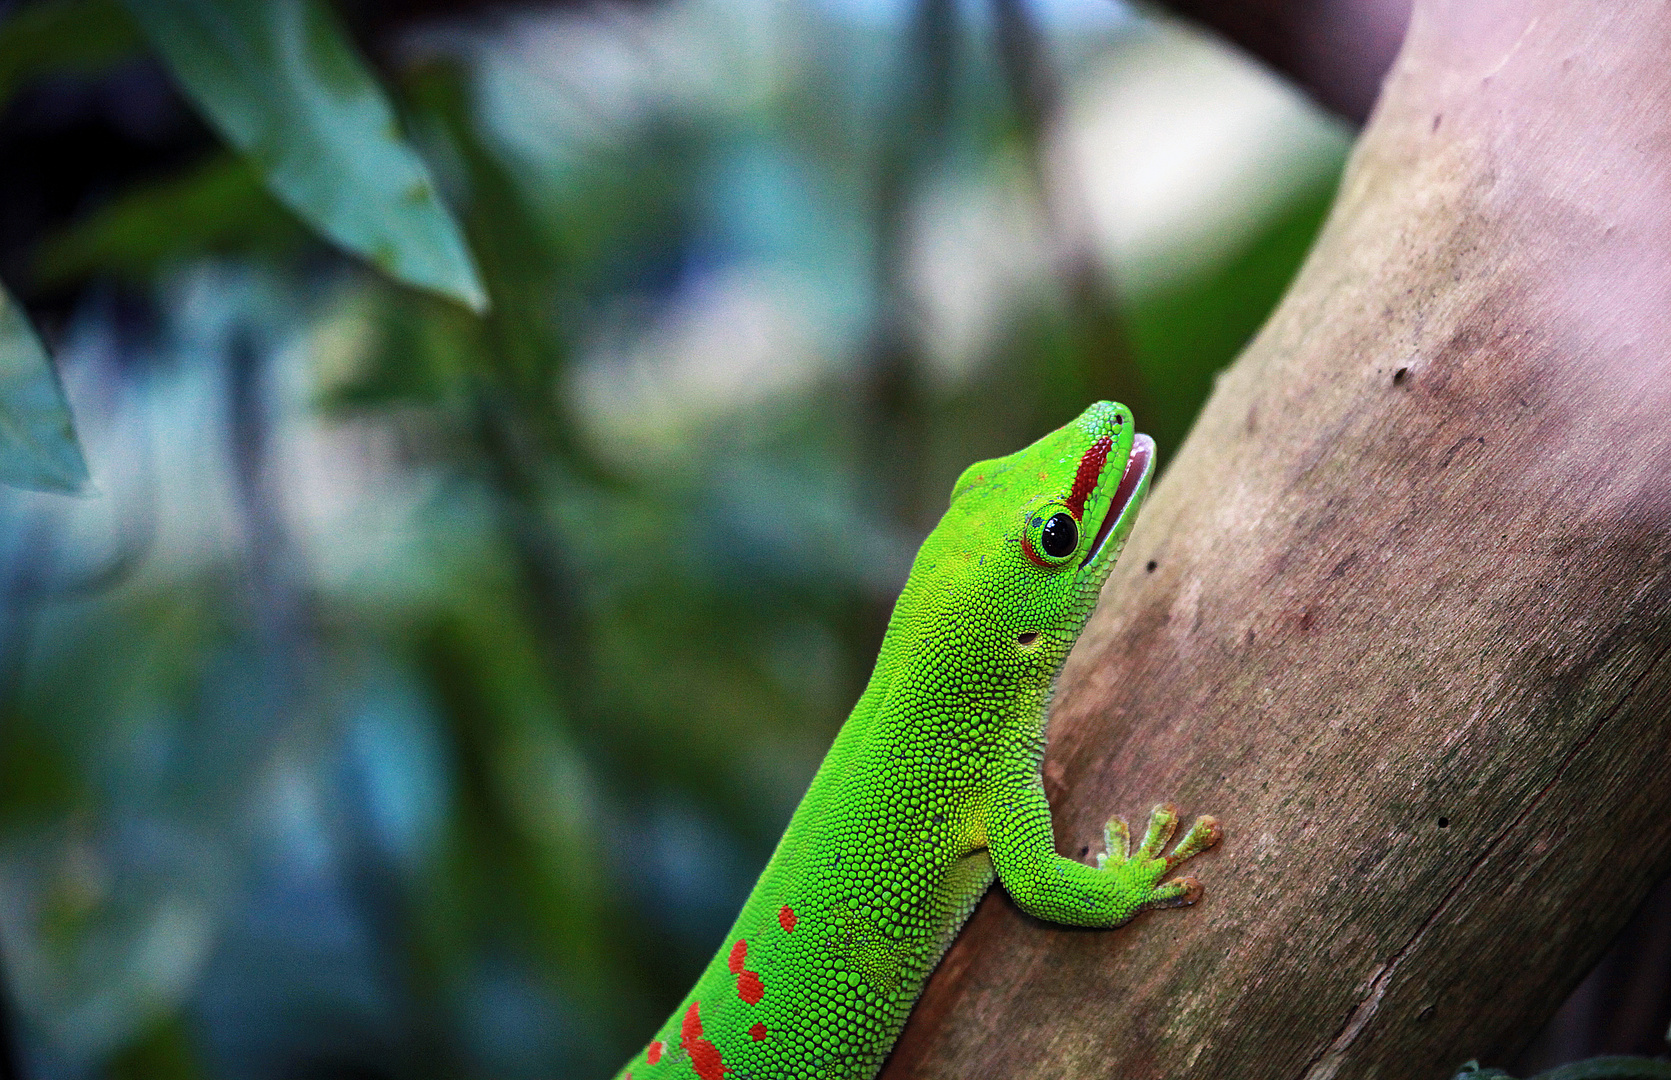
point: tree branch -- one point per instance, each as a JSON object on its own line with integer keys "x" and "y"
{"x": 1396, "y": 612}
{"x": 1337, "y": 50}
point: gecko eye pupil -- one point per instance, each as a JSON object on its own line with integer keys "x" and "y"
{"x": 1059, "y": 536}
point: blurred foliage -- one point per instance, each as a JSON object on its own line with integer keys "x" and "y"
{"x": 281, "y": 82}
{"x": 63, "y": 36}
{"x": 427, "y": 686}
{"x": 1181, "y": 335}
{"x": 217, "y": 207}
{"x": 38, "y": 449}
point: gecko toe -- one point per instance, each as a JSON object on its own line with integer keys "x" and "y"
{"x": 1180, "y": 892}
{"x": 1203, "y": 834}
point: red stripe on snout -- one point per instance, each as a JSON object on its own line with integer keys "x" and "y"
{"x": 1090, "y": 468}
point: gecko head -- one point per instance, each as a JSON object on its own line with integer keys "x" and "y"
{"x": 1030, "y": 538}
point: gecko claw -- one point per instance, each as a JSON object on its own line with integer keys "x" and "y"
{"x": 1116, "y": 842}
{"x": 1202, "y": 835}
{"x": 1180, "y": 892}
{"x": 1163, "y": 822}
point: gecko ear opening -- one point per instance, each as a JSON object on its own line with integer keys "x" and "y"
{"x": 1026, "y": 638}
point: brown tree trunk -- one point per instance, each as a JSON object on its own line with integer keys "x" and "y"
{"x": 1397, "y": 613}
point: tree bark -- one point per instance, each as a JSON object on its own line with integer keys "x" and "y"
{"x": 1397, "y": 612}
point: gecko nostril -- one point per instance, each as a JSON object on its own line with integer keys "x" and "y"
{"x": 1027, "y": 638}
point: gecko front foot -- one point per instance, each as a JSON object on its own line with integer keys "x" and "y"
{"x": 1137, "y": 876}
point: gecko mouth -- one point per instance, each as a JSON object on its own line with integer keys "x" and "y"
{"x": 1138, "y": 463}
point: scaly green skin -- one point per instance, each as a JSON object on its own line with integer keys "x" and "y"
{"x": 933, "y": 784}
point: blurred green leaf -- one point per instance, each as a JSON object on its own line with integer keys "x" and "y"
{"x": 280, "y": 80}
{"x": 218, "y": 205}
{"x": 165, "y": 1052}
{"x": 80, "y": 36}
{"x": 38, "y": 780}
{"x": 38, "y": 449}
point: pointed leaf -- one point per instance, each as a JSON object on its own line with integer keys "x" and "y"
{"x": 282, "y": 83}
{"x": 37, "y": 440}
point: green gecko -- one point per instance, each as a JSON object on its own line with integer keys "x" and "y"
{"x": 933, "y": 785}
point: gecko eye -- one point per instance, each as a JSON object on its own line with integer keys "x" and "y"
{"x": 1050, "y": 536}
{"x": 1060, "y": 536}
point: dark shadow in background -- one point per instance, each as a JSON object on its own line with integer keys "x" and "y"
{"x": 1624, "y": 1005}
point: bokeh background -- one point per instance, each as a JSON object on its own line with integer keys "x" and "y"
{"x": 419, "y": 692}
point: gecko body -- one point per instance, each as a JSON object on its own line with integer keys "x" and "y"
{"x": 932, "y": 786}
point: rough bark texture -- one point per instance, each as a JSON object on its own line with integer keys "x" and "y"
{"x": 1397, "y": 613}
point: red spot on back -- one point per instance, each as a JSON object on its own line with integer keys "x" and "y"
{"x": 704, "y": 1055}
{"x": 1085, "y": 480}
{"x": 653, "y": 1055}
{"x": 749, "y": 986}
{"x": 786, "y": 918}
{"x": 757, "y": 1033}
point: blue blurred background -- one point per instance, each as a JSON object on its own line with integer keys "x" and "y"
{"x": 420, "y": 692}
